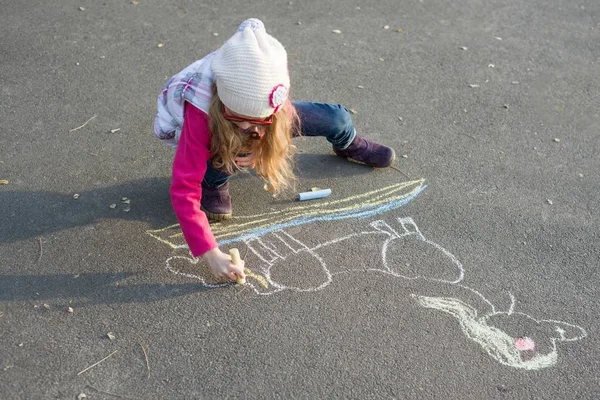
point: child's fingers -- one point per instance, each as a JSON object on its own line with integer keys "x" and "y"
{"x": 228, "y": 276}
{"x": 245, "y": 161}
{"x": 236, "y": 277}
{"x": 238, "y": 271}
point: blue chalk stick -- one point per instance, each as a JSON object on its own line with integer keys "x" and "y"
{"x": 317, "y": 194}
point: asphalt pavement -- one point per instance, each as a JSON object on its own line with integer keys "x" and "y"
{"x": 467, "y": 271}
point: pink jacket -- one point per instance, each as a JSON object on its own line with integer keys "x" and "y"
{"x": 189, "y": 167}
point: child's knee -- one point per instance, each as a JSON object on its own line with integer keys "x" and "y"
{"x": 341, "y": 119}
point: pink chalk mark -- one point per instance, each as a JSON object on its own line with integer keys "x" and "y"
{"x": 524, "y": 343}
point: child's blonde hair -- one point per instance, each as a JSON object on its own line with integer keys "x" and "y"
{"x": 273, "y": 153}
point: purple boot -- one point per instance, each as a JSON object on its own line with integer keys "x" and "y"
{"x": 216, "y": 202}
{"x": 366, "y": 152}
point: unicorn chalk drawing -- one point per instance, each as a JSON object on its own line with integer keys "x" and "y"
{"x": 280, "y": 261}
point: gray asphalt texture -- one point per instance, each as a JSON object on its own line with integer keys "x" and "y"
{"x": 513, "y": 191}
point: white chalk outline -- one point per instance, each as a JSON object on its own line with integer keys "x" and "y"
{"x": 496, "y": 343}
{"x": 499, "y": 345}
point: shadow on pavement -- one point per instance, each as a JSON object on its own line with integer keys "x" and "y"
{"x": 319, "y": 166}
{"x": 32, "y": 214}
{"x": 89, "y": 289}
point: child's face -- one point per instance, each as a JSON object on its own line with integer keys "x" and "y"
{"x": 254, "y": 127}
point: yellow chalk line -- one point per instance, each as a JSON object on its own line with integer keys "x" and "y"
{"x": 314, "y": 209}
{"x": 261, "y": 279}
{"x": 154, "y": 233}
{"x": 391, "y": 188}
{"x": 230, "y": 230}
{"x": 221, "y": 231}
{"x": 383, "y": 196}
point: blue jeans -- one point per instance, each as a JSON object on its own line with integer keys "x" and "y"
{"x": 332, "y": 121}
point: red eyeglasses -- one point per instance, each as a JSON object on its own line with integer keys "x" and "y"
{"x": 236, "y": 118}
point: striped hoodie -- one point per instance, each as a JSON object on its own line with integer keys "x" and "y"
{"x": 193, "y": 84}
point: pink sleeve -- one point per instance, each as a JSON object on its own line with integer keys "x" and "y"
{"x": 189, "y": 167}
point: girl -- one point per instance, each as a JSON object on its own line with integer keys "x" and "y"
{"x": 230, "y": 111}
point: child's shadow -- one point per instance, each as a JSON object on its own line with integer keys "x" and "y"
{"x": 327, "y": 166}
{"x": 31, "y": 214}
{"x": 89, "y": 289}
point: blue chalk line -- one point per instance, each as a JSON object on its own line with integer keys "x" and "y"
{"x": 364, "y": 212}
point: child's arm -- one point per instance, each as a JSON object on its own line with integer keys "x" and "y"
{"x": 189, "y": 167}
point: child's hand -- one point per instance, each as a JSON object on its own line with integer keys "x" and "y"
{"x": 221, "y": 266}
{"x": 247, "y": 160}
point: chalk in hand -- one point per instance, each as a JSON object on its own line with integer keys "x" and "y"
{"x": 316, "y": 194}
{"x": 235, "y": 258}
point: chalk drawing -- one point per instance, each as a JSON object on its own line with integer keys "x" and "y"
{"x": 525, "y": 343}
{"x": 410, "y": 231}
{"x": 248, "y": 227}
{"x": 503, "y": 348}
{"x": 280, "y": 262}
{"x": 209, "y": 282}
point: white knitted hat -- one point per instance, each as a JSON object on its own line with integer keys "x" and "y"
{"x": 251, "y": 71}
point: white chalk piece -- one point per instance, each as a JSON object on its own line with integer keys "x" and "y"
{"x": 317, "y": 194}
